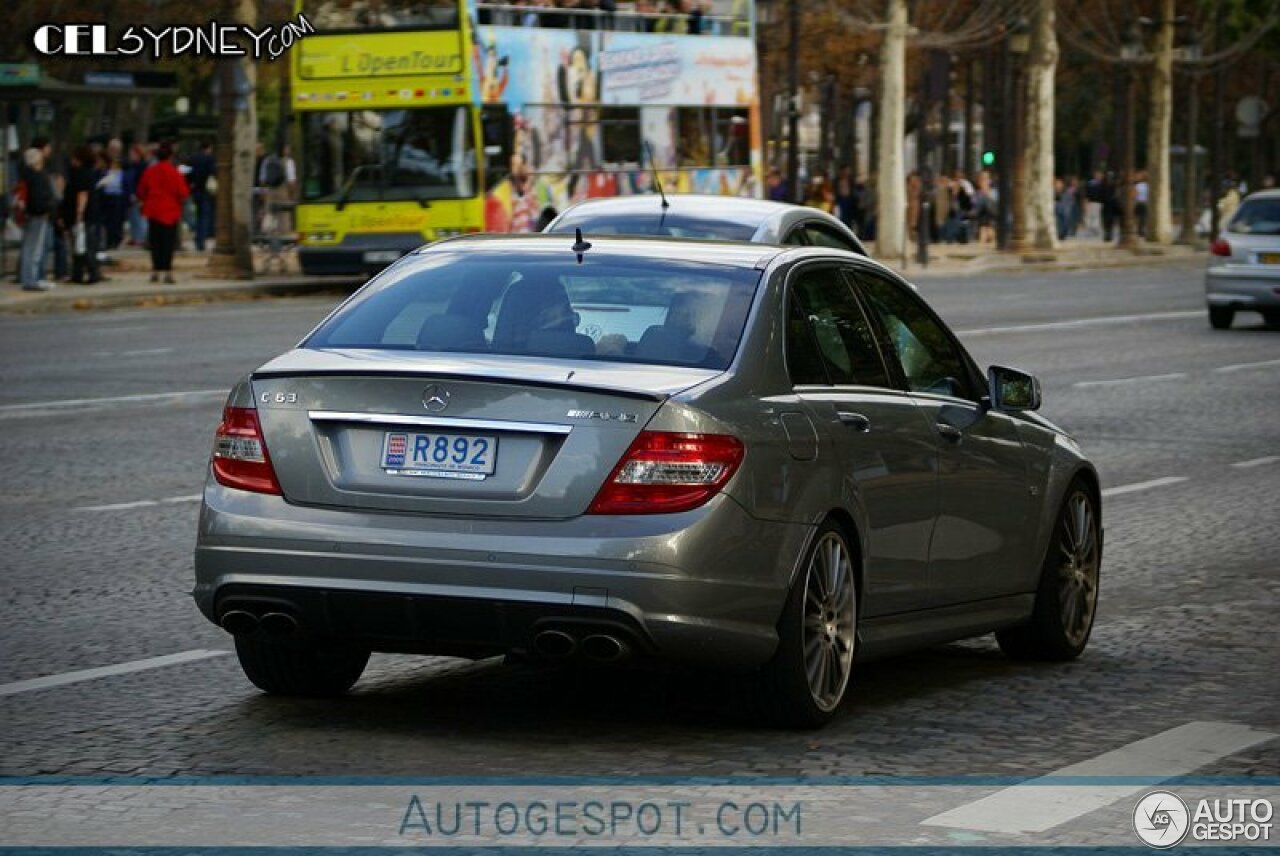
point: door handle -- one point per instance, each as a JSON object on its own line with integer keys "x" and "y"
{"x": 856, "y": 421}
{"x": 949, "y": 432}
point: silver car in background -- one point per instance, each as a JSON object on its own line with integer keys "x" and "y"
{"x": 1244, "y": 263}
{"x": 728, "y": 456}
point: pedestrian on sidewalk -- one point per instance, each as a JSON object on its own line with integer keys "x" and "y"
{"x": 134, "y": 167}
{"x": 1094, "y": 207}
{"x": 80, "y": 217}
{"x": 162, "y": 191}
{"x": 38, "y": 205}
{"x": 115, "y": 203}
{"x": 202, "y": 169}
{"x": 1110, "y": 198}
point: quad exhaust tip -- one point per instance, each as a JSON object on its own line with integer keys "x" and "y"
{"x": 604, "y": 648}
{"x": 238, "y": 622}
{"x": 278, "y": 624}
{"x": 554, "y": 643}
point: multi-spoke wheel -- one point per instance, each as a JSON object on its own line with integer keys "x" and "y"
{"x": 808, "y": 676}
{"x": 1068, "y": 595}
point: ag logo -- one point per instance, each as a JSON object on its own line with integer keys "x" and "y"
{"x": 1161, "y": 819}
{"x": 435, "y": 398}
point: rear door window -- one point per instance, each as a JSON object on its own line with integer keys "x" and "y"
{"x": 840, "y": 332}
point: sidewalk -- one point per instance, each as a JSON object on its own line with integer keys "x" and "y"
{"x": 1073, "y": 254}
{"x": 129, "y": 283}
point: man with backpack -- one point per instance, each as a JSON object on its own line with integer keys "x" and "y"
{"x": 38, "y": 201}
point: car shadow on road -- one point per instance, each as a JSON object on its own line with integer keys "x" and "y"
{"x": 489, "y": 697}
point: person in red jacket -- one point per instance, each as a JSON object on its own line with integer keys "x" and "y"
{"x": 162, "y": 191}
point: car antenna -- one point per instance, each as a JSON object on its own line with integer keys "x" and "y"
{"x": 580, "y": 246}
{"x": 657, "y": 179}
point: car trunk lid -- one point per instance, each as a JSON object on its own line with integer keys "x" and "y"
{"x": 522, "y": 437}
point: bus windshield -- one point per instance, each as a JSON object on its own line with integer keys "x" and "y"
{"x": 337, "y": 15}
{"x": 387, "y": 155}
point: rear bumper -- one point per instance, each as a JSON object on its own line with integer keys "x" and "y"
{"x": 1243, "y": 286}
{"x": 703, "y": 587}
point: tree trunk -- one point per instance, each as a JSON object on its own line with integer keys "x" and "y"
{"x": 891, "y": 191}
{"x": 237, "y": 140}
{"x": 1041, "y": 68}
{"x": 1159, "y": 214}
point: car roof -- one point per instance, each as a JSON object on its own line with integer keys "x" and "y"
{"x": 1270, "y": 193}
{"x": 767, "y": 219}
{"x": 732, "y": 253}
{"x": 746, "y": 210}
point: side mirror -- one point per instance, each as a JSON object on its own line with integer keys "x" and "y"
{"x": 1011, "y": 389}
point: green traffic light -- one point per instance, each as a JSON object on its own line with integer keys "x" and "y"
{"x": 988, "y": 158}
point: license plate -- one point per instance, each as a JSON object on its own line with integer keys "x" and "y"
{"x": 381, "y": 256}
{"x": 1269, "y": 258}
{"x": 441, "y": 456}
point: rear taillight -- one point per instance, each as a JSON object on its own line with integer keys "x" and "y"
{"x": 664, "y": 471}
{"x": 1220, "y": 247}
{"x": 240, "y": 458}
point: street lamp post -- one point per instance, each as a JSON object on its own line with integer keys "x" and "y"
{"x": 1019, "y": 45}
{"x": 1130, "y": 54}
{"x": 1190, "y": 192}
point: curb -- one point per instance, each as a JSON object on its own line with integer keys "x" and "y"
{"x": 77, "y": 298}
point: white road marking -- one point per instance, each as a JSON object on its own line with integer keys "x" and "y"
{"x": 1146, "y": 485}
{"x": 1040, "y": 805}
{"x": 108, "y": 671}
{"x": 1256, "y": 462}
{"x": 1138, "y": 379}
{"x": 141, "y": 353}
{"x": 1083, "y": 322}
{"x": 1239, "y": 367}
{"x": 141, "y": 503}
{"x": 36, "y": 406}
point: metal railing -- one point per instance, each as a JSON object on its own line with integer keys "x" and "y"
{"x": 625, "y": 19}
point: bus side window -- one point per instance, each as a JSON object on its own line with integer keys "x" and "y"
{"x": 496, "y": 129}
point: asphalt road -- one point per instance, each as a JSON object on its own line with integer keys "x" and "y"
{"x": 107, "y": 418}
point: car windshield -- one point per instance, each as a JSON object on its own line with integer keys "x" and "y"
{"x": 1257, "y": 217}
{"x": 656, "y": 311}
{"x": 381, "y": 155}
{"x": 668, "y": 225}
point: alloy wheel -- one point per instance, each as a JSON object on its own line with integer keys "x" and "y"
{"x": 829, "y": 616}
{"x": 1078, "y": 571}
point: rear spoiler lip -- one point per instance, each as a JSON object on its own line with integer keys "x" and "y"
{"x": 639, "y": 394}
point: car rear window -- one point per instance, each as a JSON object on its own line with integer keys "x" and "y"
{"x": 1257, "y": 217}
{"x": 622, "y": 309}
{"x": 670, "y": 226}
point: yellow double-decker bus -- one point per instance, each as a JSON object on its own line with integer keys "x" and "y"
{"x": 422, "y": 119}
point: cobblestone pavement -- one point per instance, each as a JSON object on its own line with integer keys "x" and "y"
{"x": 1186, "y": 631}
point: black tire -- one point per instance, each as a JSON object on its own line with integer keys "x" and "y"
{"x": 785, "y": 696}
{"x": 1048, "y": 636}
{"x": 308, "y": 669}
{"x": 1220, "y": 317}
{"x": 1271, "y": 317}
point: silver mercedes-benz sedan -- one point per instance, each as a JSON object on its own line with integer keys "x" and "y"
{"x": 767, "y": 459}
{"x": 1244, "y": 263}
